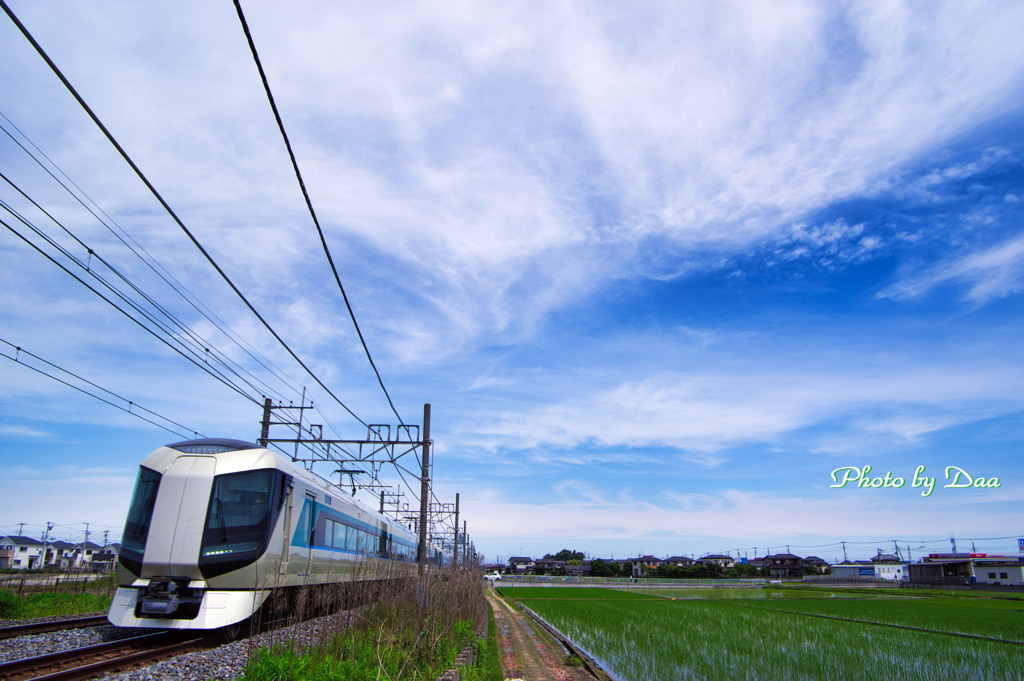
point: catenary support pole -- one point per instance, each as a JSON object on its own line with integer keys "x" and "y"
{"x": 455, "y": 545}
{"x": 265, "y": 425}
{"x": 421, "y": 556}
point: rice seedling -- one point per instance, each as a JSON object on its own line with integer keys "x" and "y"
{"x": 730, "y": 639}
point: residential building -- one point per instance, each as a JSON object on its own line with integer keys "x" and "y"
{"x": 784, "y": 566}
{"x": 644, "y": 564}
{"x": 21, "y": 553}
{"x": 582, "y": 570}
{"x": 817, "y": 565}
{"x": 27, "y": 553}
{"x": 520, "y": 565}
{"x": 717, "y": 559}
{"x": 549, "y": 566}
{"x": 888, "y": 566}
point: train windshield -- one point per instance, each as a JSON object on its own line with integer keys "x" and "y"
{"x": 242, "y": 512}
{"x": 140, "y": 514}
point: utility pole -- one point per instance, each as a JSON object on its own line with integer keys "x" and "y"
{"x": 421, "y": 557}
{"x": 46, "y": 536}
{"x": 21, "y": 530}
{"x": 86, "y": 541}
{"x": 455, "y": 552}
{"x": 844, "y": 551}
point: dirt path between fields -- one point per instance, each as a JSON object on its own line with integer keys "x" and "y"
{"x": 528, "y": 651}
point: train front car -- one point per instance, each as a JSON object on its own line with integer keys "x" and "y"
{"x": 203, "y": 518}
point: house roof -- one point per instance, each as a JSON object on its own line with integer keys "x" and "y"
{"x": 520, "y": 559}
{"x": 679, "y": 559}
{"x": 21, "y": 540}
{"x": 716, "y": 556}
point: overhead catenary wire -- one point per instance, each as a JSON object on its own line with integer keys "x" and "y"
{"x": 131, "y": 404}
{"x": 71, "y": 89}
{"x": 309, "y": 204}
{"x": 140, "y": 252}
{"x": 130, "y": 303}
{"x": 195, "y": 241}
{"x": 199, "y": 348}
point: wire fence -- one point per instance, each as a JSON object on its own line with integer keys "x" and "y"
{"x": 71, "y": 582}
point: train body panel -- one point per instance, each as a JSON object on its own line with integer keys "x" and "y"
{"x": 215, "y": 525}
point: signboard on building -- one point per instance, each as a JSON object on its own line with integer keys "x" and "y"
{"x": 1020, "y": 544}
{"x": 866, "y": 571}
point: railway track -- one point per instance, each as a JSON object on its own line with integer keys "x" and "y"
{"x": 105, "y": 658}
{"x": 56, "y": 625}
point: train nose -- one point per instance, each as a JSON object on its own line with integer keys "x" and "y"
{"x": 178, "y": 519}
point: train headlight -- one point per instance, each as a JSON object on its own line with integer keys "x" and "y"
{"x": 225, "y": 549}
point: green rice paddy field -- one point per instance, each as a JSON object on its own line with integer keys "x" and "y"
{"x": 786, "y": 633}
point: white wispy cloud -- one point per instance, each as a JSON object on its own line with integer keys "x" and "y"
{"x": 702, "y": 413}
{"x": 985, "y": 275}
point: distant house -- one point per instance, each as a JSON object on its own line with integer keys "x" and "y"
{"x": 717, "y": 559}
{"x": 26, "y": 553}
{"x": 644, "y": 564}
{"x": 818, "y": 565}
{"x": 549, "y": 566}
{"x": 105, "y": 558}
{"x": 679, "y": 561}
{"x": 21, "y": 553}
{"x": 582, "y": 570}
{"x": 520, "y": 565}
{"x": 784, "y": 566}
{"x": 888, "y": 566}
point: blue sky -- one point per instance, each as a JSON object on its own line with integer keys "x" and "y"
{"x": 658, "y": 272}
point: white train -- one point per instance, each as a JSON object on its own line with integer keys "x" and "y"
{"x": 216, "y": 525}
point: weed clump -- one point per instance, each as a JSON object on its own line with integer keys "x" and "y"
{"x": 413, "y": 629}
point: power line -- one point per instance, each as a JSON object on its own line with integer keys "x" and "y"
{"x": 200, "y": 344}
{"x": 138, "y": 250}
{"x": 67, "y": 84}
{"x": 309, "y": 204}
{"x": 17, "y": 360}
{"x": 202, "y": 365}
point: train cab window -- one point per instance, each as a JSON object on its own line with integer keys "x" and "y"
{"x": 241, "y": 514}
{"x": 140, "y": 515}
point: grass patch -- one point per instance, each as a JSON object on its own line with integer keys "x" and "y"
{"x": 29, "y": 606}
{"x": 356, "y": 656}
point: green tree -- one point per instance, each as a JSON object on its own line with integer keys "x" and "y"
{"x": 566, "y": 554}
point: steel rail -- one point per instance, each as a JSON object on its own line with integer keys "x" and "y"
{"x": 55, "y": 625}
{"x": 117, "y": 654}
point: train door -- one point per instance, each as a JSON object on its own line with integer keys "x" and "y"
{"x": 289, "y": 510}
{"x": 309, "y": 516}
